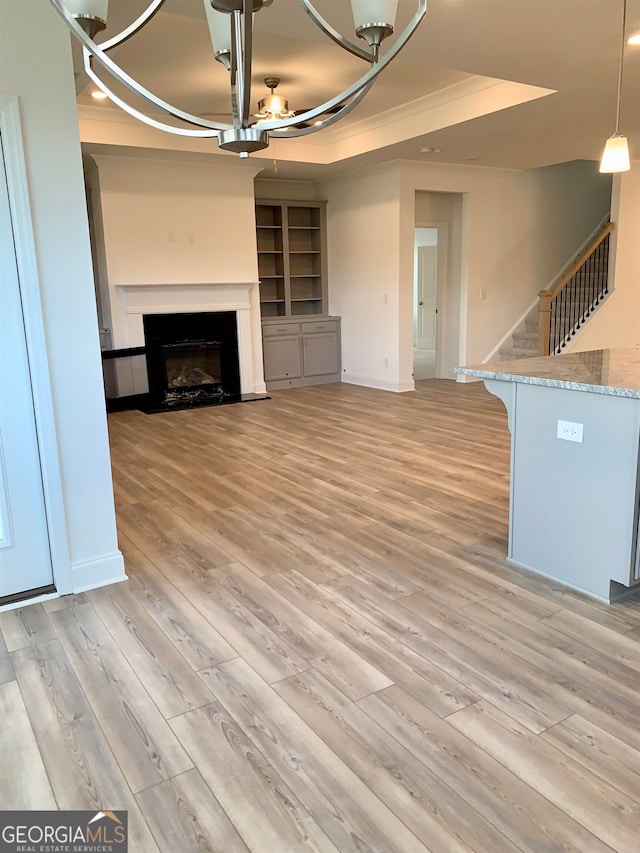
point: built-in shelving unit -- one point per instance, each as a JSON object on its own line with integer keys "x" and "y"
{"x": 301, "y": 344}
{"x": 291, "y": 258}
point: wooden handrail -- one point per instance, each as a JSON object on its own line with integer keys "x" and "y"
{"x": 554, "y": 291}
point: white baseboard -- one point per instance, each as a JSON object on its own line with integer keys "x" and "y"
{"x": 91, "y": 574}
{"x": 375, "y": 382}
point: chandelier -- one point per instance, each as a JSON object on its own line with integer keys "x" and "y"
{"x": 231, "y": 28}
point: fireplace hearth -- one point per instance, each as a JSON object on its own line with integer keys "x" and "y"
{"x": 192, "y": 360}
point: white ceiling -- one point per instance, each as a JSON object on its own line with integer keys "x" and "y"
{"x": 570, "y": 47}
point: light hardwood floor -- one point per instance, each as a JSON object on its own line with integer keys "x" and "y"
{"x": 321, "y": 646}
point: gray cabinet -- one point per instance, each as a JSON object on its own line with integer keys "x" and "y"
{"x": 320, "y": 352}
{"x": 301, "y": 353}
{"x": 282, "y": 347}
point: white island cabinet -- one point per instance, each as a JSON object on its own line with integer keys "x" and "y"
{"x": 575, "y": 463}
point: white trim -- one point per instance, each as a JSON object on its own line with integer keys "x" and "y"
{"x": 210, "y": 307}
{"x": 102, "y": 571}
{"x": 26, "y": 260}
{"x": 374, "y": 382}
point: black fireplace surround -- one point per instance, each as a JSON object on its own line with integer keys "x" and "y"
{"x": 192, "y": 360}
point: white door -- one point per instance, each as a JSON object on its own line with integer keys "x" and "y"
{"x": 25, "y": 559}
{"x": 426, "y": 294}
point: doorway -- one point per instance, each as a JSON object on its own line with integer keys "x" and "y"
{"x": 428, "y": 283}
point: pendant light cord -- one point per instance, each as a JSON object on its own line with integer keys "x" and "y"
{"x": 624, "y": 20}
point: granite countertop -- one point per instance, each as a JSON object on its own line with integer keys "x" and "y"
{"x": 603, "y": 371}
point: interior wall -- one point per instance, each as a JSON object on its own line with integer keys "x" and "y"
{"x": 167, "y": 222}
{"x": 35, "y": 64}
{"x": 617, "y": 321}
{"x": 518, "y": 230}
{"x": 363, "y": 217}
{"x": 511, "y": 234}
{"x": 272, "y": 187}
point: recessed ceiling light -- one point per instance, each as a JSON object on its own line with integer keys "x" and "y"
{"x": 430, "y": 150}
{"x": 98, "y": 95}
{"x": 634, "y": 39}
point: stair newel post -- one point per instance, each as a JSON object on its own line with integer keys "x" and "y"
{"x": 544, "y": 321}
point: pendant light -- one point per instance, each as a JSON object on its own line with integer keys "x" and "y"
{"x": 616, "y": 151}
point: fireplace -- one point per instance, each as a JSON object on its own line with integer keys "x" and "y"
{"x": 192, "y": 359}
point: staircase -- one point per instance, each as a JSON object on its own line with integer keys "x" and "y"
{"x": 564, "y": 308}
{"x": 524, "y": 340}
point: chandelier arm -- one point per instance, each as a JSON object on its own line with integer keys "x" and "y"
{"x": 122, "y": 77}
{"x": 133, "y": 28}
{"x": 333, "y": 34}
{"x": 158, "y": 125}
{"x": 247, "y": 53}
{"x": 235, "y": 71}
{"x": 367, "y": 78}
{"x": 305, "y": 131}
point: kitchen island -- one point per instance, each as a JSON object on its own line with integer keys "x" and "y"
{"x": 575, "y": 466}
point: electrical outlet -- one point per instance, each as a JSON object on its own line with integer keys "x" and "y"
{"x": 569, "y": 431}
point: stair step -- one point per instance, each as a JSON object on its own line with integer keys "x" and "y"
{"x": 508, "y": 353}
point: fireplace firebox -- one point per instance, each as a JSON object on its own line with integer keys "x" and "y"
{"x": 192, "y": 359}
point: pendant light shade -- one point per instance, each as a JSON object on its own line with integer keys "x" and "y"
{"x": 219, "y": 29}
{"x": 366, "y": 12}
{"x": 616, "y": 155}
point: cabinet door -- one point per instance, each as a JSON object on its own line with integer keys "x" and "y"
{"x": 321, "y": 354}
{"x": 282, "y": 357}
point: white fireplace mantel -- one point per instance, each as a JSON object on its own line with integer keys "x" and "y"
{"x": 133, "y": 301}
